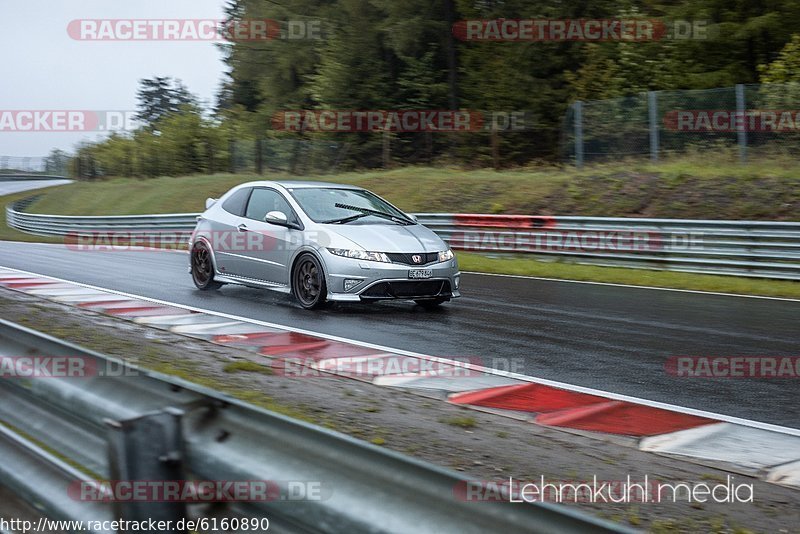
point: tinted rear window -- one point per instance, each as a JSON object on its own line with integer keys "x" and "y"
{"x": 236, "y": 202}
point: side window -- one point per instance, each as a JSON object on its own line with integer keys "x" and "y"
{"x": 262, "y": 201}
{"x": 236, "y": 202}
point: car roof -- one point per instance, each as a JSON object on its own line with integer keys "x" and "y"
{"x": 301, "y": 184}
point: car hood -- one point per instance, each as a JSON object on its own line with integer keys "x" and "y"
{"x": 390, "y": 237}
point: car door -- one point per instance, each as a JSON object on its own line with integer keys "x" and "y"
{"x": 269, "y": 247}
{"x": 225, "y": 234}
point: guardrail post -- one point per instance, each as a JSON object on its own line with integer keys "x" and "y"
{"x": 147, "y": 448}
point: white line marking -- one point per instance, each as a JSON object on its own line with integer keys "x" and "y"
{"x": 543, "y": 381}
{"x": 631, "y": 286}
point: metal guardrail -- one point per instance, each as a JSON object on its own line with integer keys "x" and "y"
{"x": 24, "y": 177}
{"x": 124, "y": 424}
{"x": 741, "y": 248}
{"x": 177, "y": 225}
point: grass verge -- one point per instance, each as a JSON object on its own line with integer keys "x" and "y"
{"x": 700, "y": 188}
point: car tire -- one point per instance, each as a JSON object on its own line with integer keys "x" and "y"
{"x": 430, "y": 304}
{"x": 308, "y": 282}
{"x": 203, "y": 267}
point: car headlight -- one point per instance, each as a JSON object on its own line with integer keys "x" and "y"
{"x": 446, "y": 255}
{"x": 360, "y": 255}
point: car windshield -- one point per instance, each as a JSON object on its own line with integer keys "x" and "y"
{"x": 323, "y": 204}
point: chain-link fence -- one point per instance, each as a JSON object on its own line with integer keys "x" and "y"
{"x": 296, "y": 156}
{"x": 745, "y": 121}
{"x": 34, "y": 165}
{"x": 246, "y": 156}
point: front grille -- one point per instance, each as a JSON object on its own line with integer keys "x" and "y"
{"x": 405, "y": 258}
{"x": 408, "y": 289}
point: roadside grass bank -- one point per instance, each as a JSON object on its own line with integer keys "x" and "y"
{"x": 683, "y": 188}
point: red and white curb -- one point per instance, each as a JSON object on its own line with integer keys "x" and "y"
{"x": 770, "y": 452}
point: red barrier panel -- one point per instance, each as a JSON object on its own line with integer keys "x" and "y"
{"x": 505, "y": 221}
{"x": 526, "y": 398}
{"x": 617, "y": 417}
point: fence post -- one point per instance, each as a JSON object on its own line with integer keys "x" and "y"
{"x": 652, "y": 108}
{"x": 741, "y": 132}
{"x": 578, "y": 119}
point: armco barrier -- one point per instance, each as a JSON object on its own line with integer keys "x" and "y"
{"x": 178, "y": 226}
{"x": 59, "y": 433}
{"x": 741, "y": 248}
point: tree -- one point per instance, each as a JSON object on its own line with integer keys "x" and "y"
{"x": 785, "y": 72}
{"x": 160, "y": 96}
{"x": 786, "y": 67}
{"x": 57, "y": 162}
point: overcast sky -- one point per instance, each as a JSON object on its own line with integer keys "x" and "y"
{"x": 45, "y": 69}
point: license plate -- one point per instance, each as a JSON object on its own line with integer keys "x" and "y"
{"x": 420, "y": 273}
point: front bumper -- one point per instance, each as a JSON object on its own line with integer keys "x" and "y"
{"x": 380, "y": 281}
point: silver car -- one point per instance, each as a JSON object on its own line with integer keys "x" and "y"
{"x": 321, "y": 242}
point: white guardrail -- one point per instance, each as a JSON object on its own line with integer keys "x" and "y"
{"x": 741, "y": 248}
{"x": 69, "y": 444}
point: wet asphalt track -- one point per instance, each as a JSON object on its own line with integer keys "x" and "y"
{"x": 611, "y": 338}
{"x": 17, "y": 186}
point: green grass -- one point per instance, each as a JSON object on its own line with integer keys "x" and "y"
{"x": 684, "y": 188}
{"x": 462, "y": 421}
{"x": 247, "y": 367}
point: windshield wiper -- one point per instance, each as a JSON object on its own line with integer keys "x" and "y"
{"x": 368, "y": 211}
{"x": 346, "y": 220}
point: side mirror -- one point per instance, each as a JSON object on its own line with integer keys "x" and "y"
{"x": 412, "y": 217}
{"x": 210, "y": 202}
{"x": 276, "y": 217}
